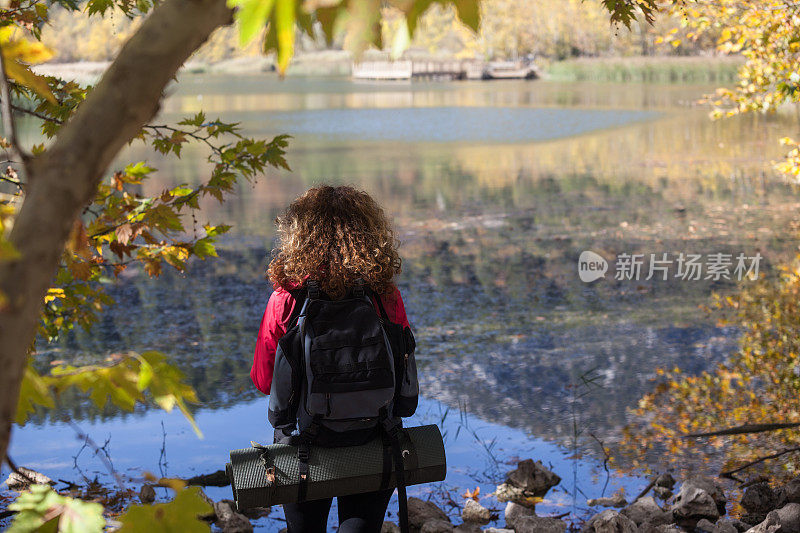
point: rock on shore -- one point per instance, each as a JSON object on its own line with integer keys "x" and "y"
{"x": 698, "y": 506}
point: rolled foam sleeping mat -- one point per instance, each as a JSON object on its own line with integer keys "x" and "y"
{"x": 332, "y": 471}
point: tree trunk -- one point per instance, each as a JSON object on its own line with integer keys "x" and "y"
{"x": 64, "y": 179}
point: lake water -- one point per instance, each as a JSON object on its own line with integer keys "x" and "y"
{"x": 495, "y": 190}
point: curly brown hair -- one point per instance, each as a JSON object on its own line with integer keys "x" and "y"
{"x": 335, "y": 235}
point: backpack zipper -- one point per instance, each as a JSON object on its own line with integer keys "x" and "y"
{"x": 328, "y": 400}
{"x": 405, "y": 366}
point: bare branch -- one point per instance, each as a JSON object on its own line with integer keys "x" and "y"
{"x": 35, "y": 114}
{"x": 100, "y": 451}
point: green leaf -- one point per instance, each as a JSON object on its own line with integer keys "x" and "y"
{"x": 181, "y": 190}
{"x": 198, "y": 120}
{"x": 363, "y": 25}
{"x": 124, "y": 383}
{"x": 33, "y": 391}
{"x": 145, "y": 374}
{"x": 18, "y": 54}
{"x": 469, "y": 12}
{"x": 401, "y": 41}
{"x": 624, "y": 11}
{"x": 251, "y": 15}
{"x": 181, "y": 514}
{"x": 43, "y": 509}
{"x": 168, "y": 388}
{"x": 163, "y": 217}
{"x": 23, "y": 75}
{"x": 204, "y": 248}
{"x": 213, "y": 231}
{"x": 414, "y": 11}
{"x": 138, "y": 170}
{"x": 327, "y": 17}
{"x": 284, "y": 19}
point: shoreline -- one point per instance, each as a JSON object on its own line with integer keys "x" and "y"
{"x": 338, "y": 64}
{"x": 697, "y": 504}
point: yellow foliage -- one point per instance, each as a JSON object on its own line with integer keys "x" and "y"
{"x": 759, "y": 384}
{"x": 553, "y": 29}
{"x": 18, "y": 53}
{"x": 767, "y": 34}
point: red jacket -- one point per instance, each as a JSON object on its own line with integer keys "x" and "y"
{"x": 273, "y": 327}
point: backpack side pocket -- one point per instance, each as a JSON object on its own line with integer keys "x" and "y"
{"x": 407, "y": 397}
{"x": 285, "y": 392}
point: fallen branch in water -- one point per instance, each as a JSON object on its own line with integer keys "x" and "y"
{"x": 745, "y": 428}
{"x": 19, "y": 472}
{"x": 215, "y": 479}
{"x": 21, "y": 477}
{"x": 649, "y": 486}
{"x": 730, "y": 473}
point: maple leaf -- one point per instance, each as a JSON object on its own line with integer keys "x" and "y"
{"x": 475, "y": 494}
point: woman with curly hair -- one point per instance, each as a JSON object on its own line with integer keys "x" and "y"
{"x": 335, "y": 236}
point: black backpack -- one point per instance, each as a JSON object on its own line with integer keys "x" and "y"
{"x": 344, "y": 374}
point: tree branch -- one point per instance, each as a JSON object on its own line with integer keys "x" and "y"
{"x": 15, "y": 183}
{"x": 64, "y": 179}
{"x": 35, "y": 114}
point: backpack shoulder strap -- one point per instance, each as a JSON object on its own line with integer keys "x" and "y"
{"x": 299, "y": 296}
{"x": 379, "y": 301}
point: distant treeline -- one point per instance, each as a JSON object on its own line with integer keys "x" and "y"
{"x": 547, "y": 29}
{"x": 719, "y": 70}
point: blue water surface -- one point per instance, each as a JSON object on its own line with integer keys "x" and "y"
{"x": 452, "y": 124}
{"x": 479, "y": 453}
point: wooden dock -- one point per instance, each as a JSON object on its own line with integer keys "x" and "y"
{"x": 446, "y": 69}
{"x": 383, "y": 70}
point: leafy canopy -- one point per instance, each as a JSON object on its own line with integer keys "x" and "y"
{"x": 767, "y": 34}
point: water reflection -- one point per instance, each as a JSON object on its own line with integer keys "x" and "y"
{"x": 491, "y": 234}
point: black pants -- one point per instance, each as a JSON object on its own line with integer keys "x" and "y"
{"x": 358, "y": 513}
